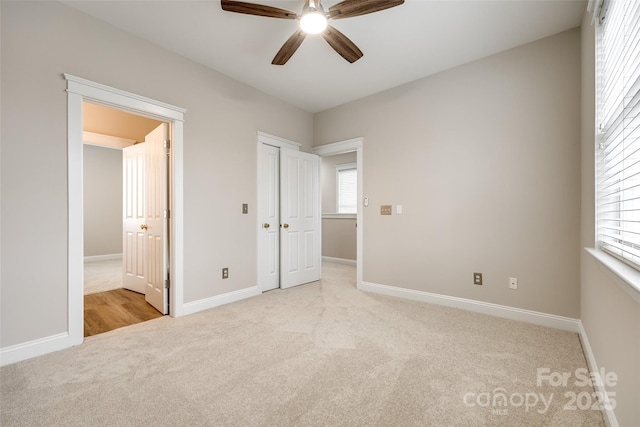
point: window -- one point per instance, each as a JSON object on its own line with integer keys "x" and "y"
{"x": 618, "y": 151}
{"x": 347, "y": 188}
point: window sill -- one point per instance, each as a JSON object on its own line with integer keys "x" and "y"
{"x": 625, "y": 276}
{"x": 338, "y": 216}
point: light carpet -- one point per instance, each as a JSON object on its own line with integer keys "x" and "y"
{"x": 102, "y": 276}
{"x": 322, "y": 354}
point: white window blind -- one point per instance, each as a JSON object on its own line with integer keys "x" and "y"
{"x": 347, "y": 188}
{"x": 618, "y": 160}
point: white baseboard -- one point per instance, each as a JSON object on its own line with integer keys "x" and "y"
{"x": 535, "y": 317}
{"x": 218, "y": 300}
{"x": 102, "y": 257}
{"x": 35, "y": 348}
{"x": 608, "y": 414}
{"x": 339, "y": 260}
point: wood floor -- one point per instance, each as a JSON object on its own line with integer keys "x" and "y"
{"x": 114, "y": 309}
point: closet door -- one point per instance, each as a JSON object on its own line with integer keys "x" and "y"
{"x": 300, "y": 218}
{"x": 270, "y": 220}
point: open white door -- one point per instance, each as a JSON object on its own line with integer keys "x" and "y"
{"x": 133, "y": 190}
{"x": 300, "y": 218}
{"x": 270, "y": 221}
{"x": 156, "y": 287}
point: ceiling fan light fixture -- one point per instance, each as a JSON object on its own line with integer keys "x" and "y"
{"x": 313, "y": 22}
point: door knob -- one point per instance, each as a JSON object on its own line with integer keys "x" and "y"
{"x": 266, "y": 225}
{"x": 144, "y": 227}
{"x": 286, "y": 226}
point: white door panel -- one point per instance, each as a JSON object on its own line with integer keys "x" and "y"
{"x": 133, "y": 252}
{"x": 300, "y": 218}
{"x": 156, "y": 293}
{"x": 270, "y": 211}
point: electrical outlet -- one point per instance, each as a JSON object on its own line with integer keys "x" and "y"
{"x": 225, "y": 273}
{"x": 385, "y": 210}
{"x": 513, "y": 283}
{"x": 477, "y": 279}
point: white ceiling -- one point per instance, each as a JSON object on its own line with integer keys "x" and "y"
{"x": 402, "y": 44}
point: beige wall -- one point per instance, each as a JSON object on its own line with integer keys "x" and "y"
{"x": 610, "y": 316}
{"x": 102, "y": 200}
{"x": 329, "y": 164}
{"x": 42, "y": 40}
{"x": 484, "y": 159}
{"x": 339, "y": 238}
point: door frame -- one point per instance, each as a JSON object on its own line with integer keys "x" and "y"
{"x": 80, "y": 90}
{"x": 275, "y": 141}
{"x": 348, "y": 146}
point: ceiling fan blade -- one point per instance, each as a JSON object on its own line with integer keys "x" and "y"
{"x": 289, "y": 48}
{"x": 341, "y": 44}
{"x": 257, "y": 9}
{"x": 350, "y": 8}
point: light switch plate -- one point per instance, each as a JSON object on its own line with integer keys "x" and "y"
{"x": 385, "y": 210}
{"x": 245, "y": 208}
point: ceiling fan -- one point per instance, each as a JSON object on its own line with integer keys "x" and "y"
{"x": 313, "y": 20}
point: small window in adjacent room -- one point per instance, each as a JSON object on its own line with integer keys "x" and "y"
{"x": 347, "y": 188}
{"x": 618, "y": 139}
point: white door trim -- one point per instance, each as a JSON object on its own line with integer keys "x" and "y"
{"x": 275, "y": 141}
{"x": 78, "y": 91}
{"x": 341, "y": 147}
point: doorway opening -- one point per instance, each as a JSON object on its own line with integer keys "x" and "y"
{"x": 116, "y": 196}
{"x": 78, "y": 91}
{"x": 341, "y": 156}
{"x": 339, "y": 208}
